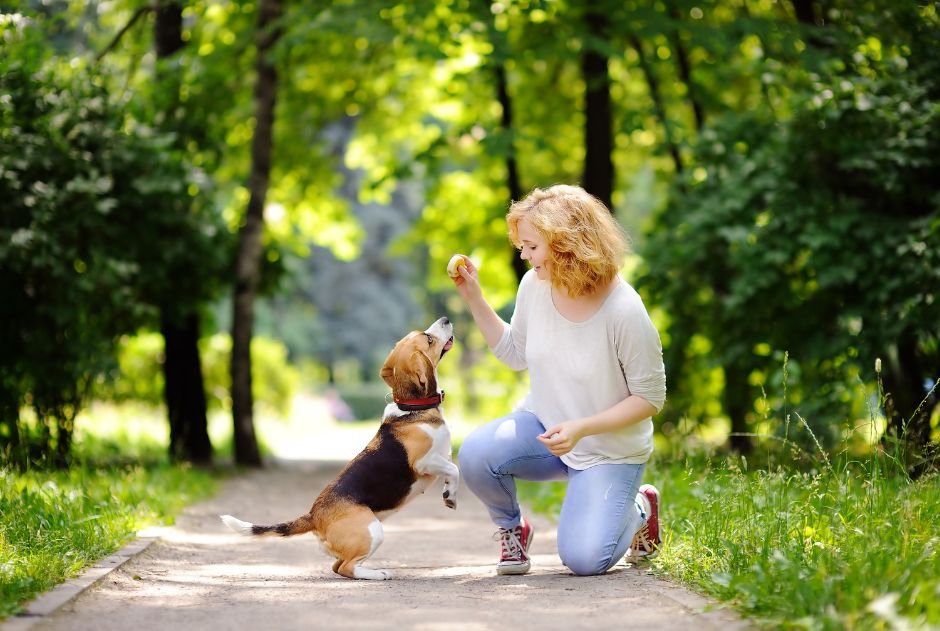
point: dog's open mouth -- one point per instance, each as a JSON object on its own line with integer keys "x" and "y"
{"x": 449, "y": 344}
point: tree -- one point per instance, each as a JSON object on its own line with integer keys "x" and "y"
{"x": 248, "y": 261}
{"x": 598, "y": 176}
{"x": 93, "y": 215}
{"x": 179, "y": 324}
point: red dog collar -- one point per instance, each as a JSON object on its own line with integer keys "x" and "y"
{"x": 426, "y": 403}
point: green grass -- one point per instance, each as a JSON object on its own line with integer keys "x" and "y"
{"x": 54, "y": 524}
{"x": 853, "y": 546}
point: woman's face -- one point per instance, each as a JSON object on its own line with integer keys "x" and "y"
{"x": 534, "y": 248}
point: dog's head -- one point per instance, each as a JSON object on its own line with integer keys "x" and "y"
{"x": 411, "y": 368}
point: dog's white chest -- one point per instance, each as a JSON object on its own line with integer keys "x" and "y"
{"x": 440, "y": 448}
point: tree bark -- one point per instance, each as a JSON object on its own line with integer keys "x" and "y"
{"x": 737, "y": 402}
{"x": 598, "y": 178}
{"x": 805, "y": 12}
{"x": 12, "y": 449}
{"x": 908, "y": 406}
{"x": 498, "y": 64}
{"x": 512, "y": 168}
{"x": 168, "y": 29}
{"x": 248, "y": 261}
{"x": 184, "y": 389}
{"x": 810, "y": 14}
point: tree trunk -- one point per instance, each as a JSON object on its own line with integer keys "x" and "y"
{"x": 737, "y": 402}
{"x": 184, "y": 390}
{"x": 598, "y": 179}
{"x": 12, "y": 449}
{"x": 512, "y": 167}
{"x": 908, "y": 406}
{"x": 248, "y": 262}
{"x": 805, "y": 12}
{"x": 810, "y": 14}
{"x": 168, "y": 29}
{"x": 500, "y": 53}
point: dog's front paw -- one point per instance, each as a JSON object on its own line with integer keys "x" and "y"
{"x": 450, "y": 501}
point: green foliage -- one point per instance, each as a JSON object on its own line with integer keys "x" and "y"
{"x": 804, "y": 153}
{"x": 803, "y": 549}
{"x": 100, "y": 227}
{"x": 138, "y": 376}
{"x": 274, "y": 381}
{"x": 851, "y": 547}
{"x": 53, "y": 525}
{"x": 818, "y": 235}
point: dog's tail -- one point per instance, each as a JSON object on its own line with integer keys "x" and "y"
{"x": 302, "y": 524}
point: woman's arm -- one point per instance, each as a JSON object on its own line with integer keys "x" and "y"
{"x": 507, "y": 341}
{"x": 487, "y": 320}
{"x": 561, "y": 438}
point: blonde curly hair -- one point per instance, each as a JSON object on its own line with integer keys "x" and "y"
{"x": 586, "y": 245}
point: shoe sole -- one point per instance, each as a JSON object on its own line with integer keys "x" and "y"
{"x": 510, "y": 570}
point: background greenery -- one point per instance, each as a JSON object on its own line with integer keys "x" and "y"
{"x": 773, "y": 161}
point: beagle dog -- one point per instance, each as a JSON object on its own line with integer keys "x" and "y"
{"x": 409, "y": 452}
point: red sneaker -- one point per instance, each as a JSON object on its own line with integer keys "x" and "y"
{"x": 646, "y": 541}
{"x": 514, "y": 548}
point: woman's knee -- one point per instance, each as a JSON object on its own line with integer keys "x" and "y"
{"x": 584, "y": 558}
{"x": 587, "y": 564}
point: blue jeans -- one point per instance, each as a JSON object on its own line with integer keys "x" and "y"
{"x": 599, "y": 515}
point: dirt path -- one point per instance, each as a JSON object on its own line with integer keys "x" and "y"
{"x": 201, "y": 576}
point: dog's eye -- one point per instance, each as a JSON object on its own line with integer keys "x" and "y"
{"x": 430, "y": 339}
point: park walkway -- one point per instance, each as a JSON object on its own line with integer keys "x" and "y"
{"x": 199, "y": 575}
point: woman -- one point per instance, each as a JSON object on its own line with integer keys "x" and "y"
{"x": 596, "y": 378}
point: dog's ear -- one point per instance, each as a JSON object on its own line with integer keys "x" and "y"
{"x": 388, "y": 369}
{"x": 424, "y": 373}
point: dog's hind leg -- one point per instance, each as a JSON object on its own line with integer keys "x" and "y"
{"x": 353, "y": 540}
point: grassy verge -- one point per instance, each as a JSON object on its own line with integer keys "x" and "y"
{"x": 846, "y": 547}
{"x": 54, "y": 524}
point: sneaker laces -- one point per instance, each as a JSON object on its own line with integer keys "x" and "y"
{"x": 510, "y": 545}
{"x": 641, "y": 540}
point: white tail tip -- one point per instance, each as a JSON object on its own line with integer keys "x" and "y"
{"x": 239, "y": 526}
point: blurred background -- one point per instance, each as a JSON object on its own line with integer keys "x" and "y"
{"x": 217, "y": 217}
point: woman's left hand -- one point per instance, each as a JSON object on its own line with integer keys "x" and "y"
{"x": 561, "y": 438}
